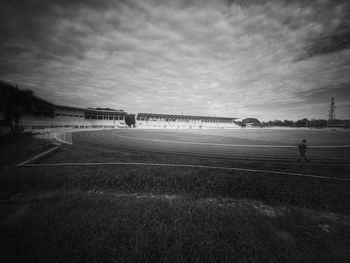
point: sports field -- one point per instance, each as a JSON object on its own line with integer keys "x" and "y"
{"x": 265, "y": 150}
{"x": 132, "y": 195}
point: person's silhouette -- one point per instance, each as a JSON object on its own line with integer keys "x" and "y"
{"x": 302, "y": 149}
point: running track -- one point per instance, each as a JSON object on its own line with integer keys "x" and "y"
{"x": 210, "y": 146}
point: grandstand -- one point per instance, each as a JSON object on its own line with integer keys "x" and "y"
{"x": 105, "y": 118}
{"x": 69, "y": 117}
{"x": 72, "y": 117}
{"x": 43, "y": 116}
{"x": 172, "y": 121}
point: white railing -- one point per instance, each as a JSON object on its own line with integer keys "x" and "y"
{"x": 62, "y": 136}
{"x": 65, "y": 137}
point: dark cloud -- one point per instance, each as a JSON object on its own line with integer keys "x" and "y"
{"x": 335, "y": 42}
{"x": 46, "y": 29}
{"x": 333, "y": 18}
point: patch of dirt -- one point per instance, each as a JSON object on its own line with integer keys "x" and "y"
{"x": 326, "y": 228}
{"x": 261, "y": 207}
{"x": 136, "y": 195}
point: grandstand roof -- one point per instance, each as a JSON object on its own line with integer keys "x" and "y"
{"x": 181, "y": 116}
{"x": 104, "y": 109}
{"x": 69, "y": 107}
{"x": 100, "y": 110}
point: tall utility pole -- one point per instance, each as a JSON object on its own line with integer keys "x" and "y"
{"x": 331, "y": 113}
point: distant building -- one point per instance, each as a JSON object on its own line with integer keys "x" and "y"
{"x": 57, "y": 116}
{"x": 172, "y": 121}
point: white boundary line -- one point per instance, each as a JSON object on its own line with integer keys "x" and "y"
{"x": 188, "y": 166}
{"x": 36, "y": 157}
{"x": 231, "y": 145}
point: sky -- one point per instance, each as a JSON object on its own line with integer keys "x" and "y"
{"x": 261, "y": 59}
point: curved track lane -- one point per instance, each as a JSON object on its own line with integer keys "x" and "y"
{"x": 209, "y": 146}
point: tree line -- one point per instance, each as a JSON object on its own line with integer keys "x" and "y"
{"x": 310, "y": 123}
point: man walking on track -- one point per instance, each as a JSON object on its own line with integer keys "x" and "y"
{"x": 302, "y": 149}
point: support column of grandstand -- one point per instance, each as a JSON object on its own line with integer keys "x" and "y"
{"x": 172, "y": 121}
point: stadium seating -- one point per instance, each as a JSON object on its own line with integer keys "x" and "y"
{"x": 165, "y": 121}
{"x": 73, "y": 118}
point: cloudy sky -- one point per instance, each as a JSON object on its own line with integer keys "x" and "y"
{"x": 264, "y": 59}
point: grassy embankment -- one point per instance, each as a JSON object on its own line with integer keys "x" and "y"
{"x": 159, "y": 214}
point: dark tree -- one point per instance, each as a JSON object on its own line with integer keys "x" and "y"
{"x": 253, "y": 121}
{"x": 302, "y": 123}
{"x": 130, "y": 120}
{"x": 15, "y": 103}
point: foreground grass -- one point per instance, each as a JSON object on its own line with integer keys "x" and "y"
{"x": 275, "y": 189}
{"x": 101, "y": 227}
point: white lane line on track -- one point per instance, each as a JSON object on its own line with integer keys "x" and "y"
{"x": 230, "y": 145}
{"x": 189, "y": 166}
{"x": 37, "y": 156}
{"x": 245, "y": 156}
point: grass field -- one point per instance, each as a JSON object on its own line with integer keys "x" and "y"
{"x": 81, "y": 204}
